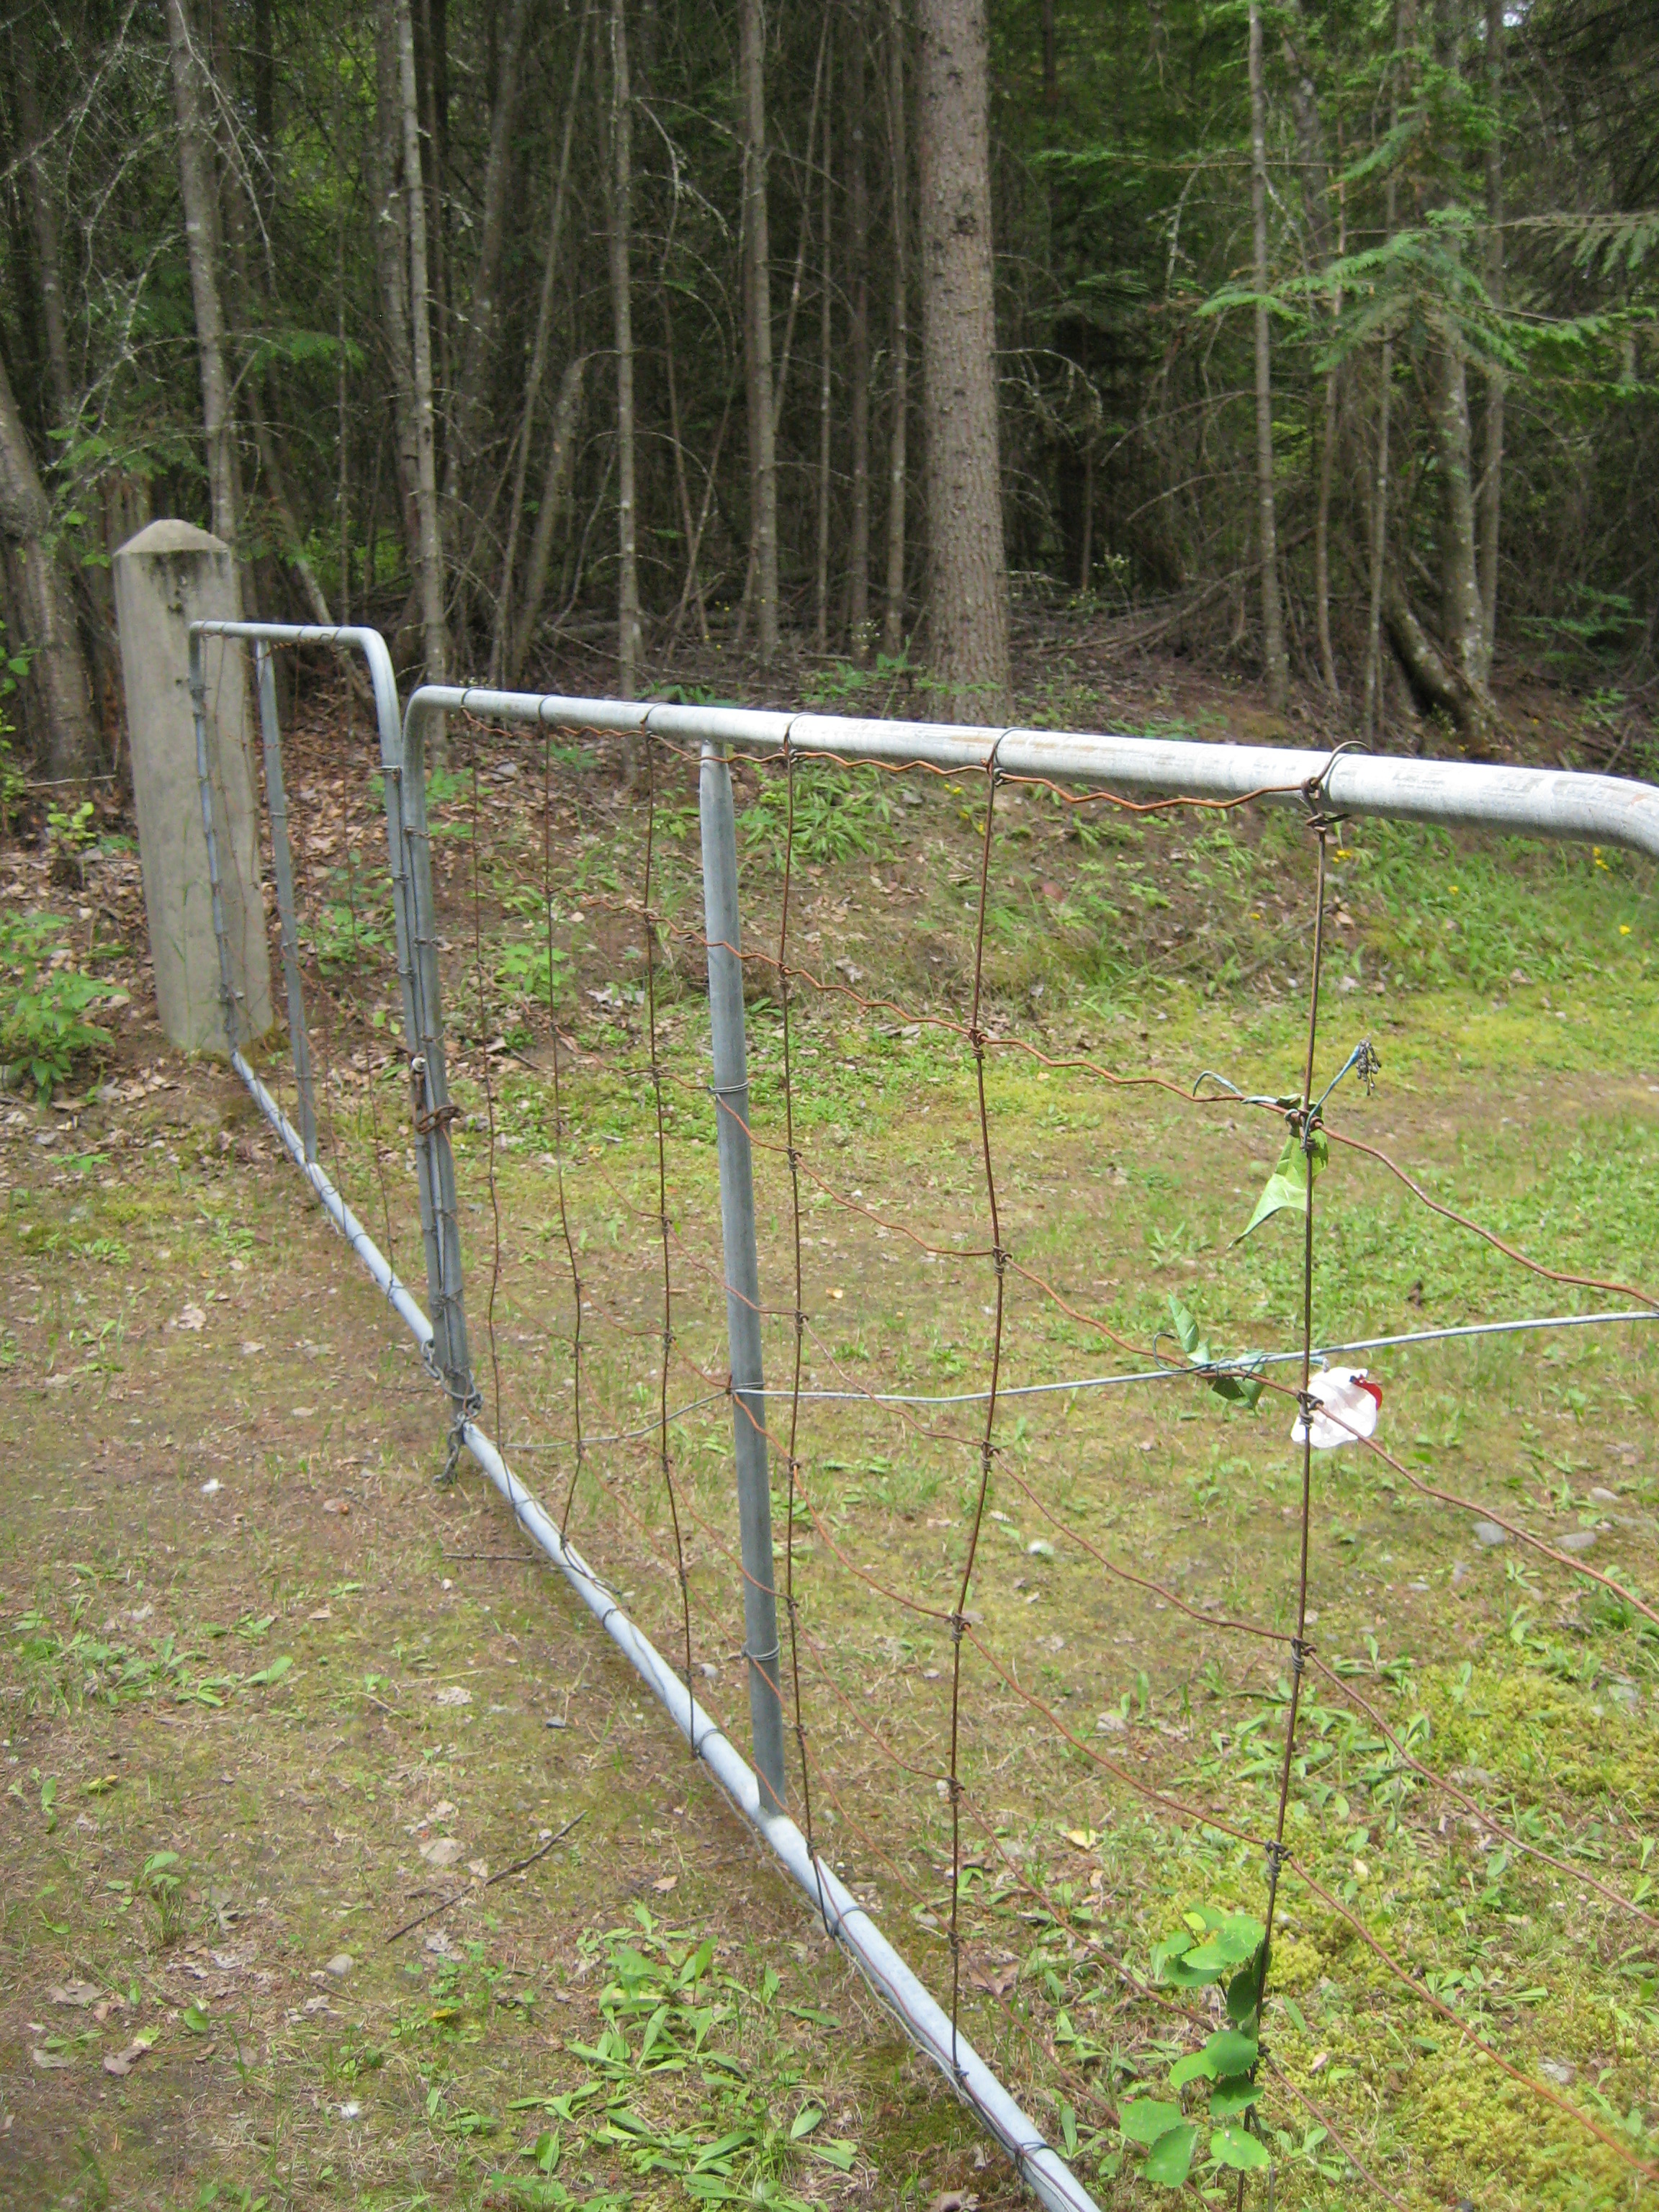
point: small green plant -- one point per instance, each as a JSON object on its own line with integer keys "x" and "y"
{"x": 1226, "y": 1947}
{"x": 835, "y": 816}
{"x": 522, "y": 971}
{"x": 164, "y": 1885}
{"x": 70, "y": 831}
{"x": 43, "y": 1029}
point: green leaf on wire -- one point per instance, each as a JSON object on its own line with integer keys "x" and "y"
{"x": 1235, "y": 1390}
{"x": 1289, "y": 1184}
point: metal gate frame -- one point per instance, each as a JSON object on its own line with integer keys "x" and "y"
{"x": 1555, "y": 805}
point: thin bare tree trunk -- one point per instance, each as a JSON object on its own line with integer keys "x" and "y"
{"x": 538, "y": 369}
{"x": 1491, "y": 471}
{"x": 43, "y": 215}
{"x": 968, "y": 582}
{"x": 555, "y": 484}
{"x": 858, "y": 348}
{"x": 697, "y": 535}
{"x": 1326, "y": 471}
{"x": 804, "y": 237}
{"x": 58, "y": 673}
{"x": 460, "y": 457}
{"x": 693, "y": 589}
{"x": 434, "y": 631}
{"x": 391, "y": 227}
{"x": 892, "y": 627}
{"x": 199, "y": 192}
{"x": 1370, "y": 713}
{"x": 757, "y": 335}
{"x": 1315, "y": 199}
{"x": 821, "y": 582}
{"x": 621, "y": 307}
{"x": 1276, "y": 667}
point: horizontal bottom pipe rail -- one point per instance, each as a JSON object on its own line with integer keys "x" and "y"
{"x": 844, "y": 1919}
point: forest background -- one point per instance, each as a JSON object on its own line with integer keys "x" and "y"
{"x": 806, "y": 352}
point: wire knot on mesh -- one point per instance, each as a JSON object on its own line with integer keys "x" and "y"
{"x": 958, "y": 1626}
{"x": 1301, "y": 1651}
{"x": 426, "y": 1119}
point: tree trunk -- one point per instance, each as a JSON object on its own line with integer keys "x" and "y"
{"x": 1460, "y": 626}
{"x": 1275, "y": 666}
{"x": 898, "y": 480}
{"x": 1492, "y": 470}
{"x": 434, "y": 633}
{"x": 556, "y": 484}
{"x": 538, "y": 369}
{"x": 821, "y": 581}
{"x": 58, "y": 673}
{"x": 692, "y": 591}
{"x": 804, "y": 236}
{"x": 1370, "y": 713}
{"x": 968, "y": 583}
{"x": 460, "y": 458}
{"x": 43, "y": 215}
{"x": 757, "y": 335}
{"x": 858, "y": 348}
{"x": 622, "y": 309}
{"x": 1315, "y": 200}
{"x": 1434, "y": 675}
{"x": 390, "y": 227}
{"x": 199, "y": 192}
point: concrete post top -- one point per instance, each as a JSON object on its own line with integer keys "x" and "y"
{"x": 171, "y": 536}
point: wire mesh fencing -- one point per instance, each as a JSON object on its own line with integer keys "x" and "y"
{"x": 1066, "y": 1380}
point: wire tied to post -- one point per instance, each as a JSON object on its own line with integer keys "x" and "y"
{"x": 426, "y": 1119}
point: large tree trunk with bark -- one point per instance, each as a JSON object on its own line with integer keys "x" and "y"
{"x": 757, "y": 336}
{"x": 1274, "y": 663}
{"x": 968, "y": 582}
{"x": 59, "y": 673}
{"x": 622, "y": 309}
{"x": 1461, "y": 627}
{"x": 198, "y": 188}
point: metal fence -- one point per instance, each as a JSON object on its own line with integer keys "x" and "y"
{"x": 1135, "y": 775}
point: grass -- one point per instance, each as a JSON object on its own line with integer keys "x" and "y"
{"x": 505, "y": 2053}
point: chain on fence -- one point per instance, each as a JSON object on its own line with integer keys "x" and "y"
{"x": 1049, "y": 1562}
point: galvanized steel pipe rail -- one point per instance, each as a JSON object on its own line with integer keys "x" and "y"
{"x": 1558, "y": 804}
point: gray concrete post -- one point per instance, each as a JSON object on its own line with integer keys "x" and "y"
{"x": 168, "y": 576}
{"x": 742, "y": 1320}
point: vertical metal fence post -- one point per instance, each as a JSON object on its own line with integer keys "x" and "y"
{"x": 281, "y": 861}
{"x": 406, "y": 795}
{"x": 743, "y": 1320}
{"x": 204, "y": 785}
